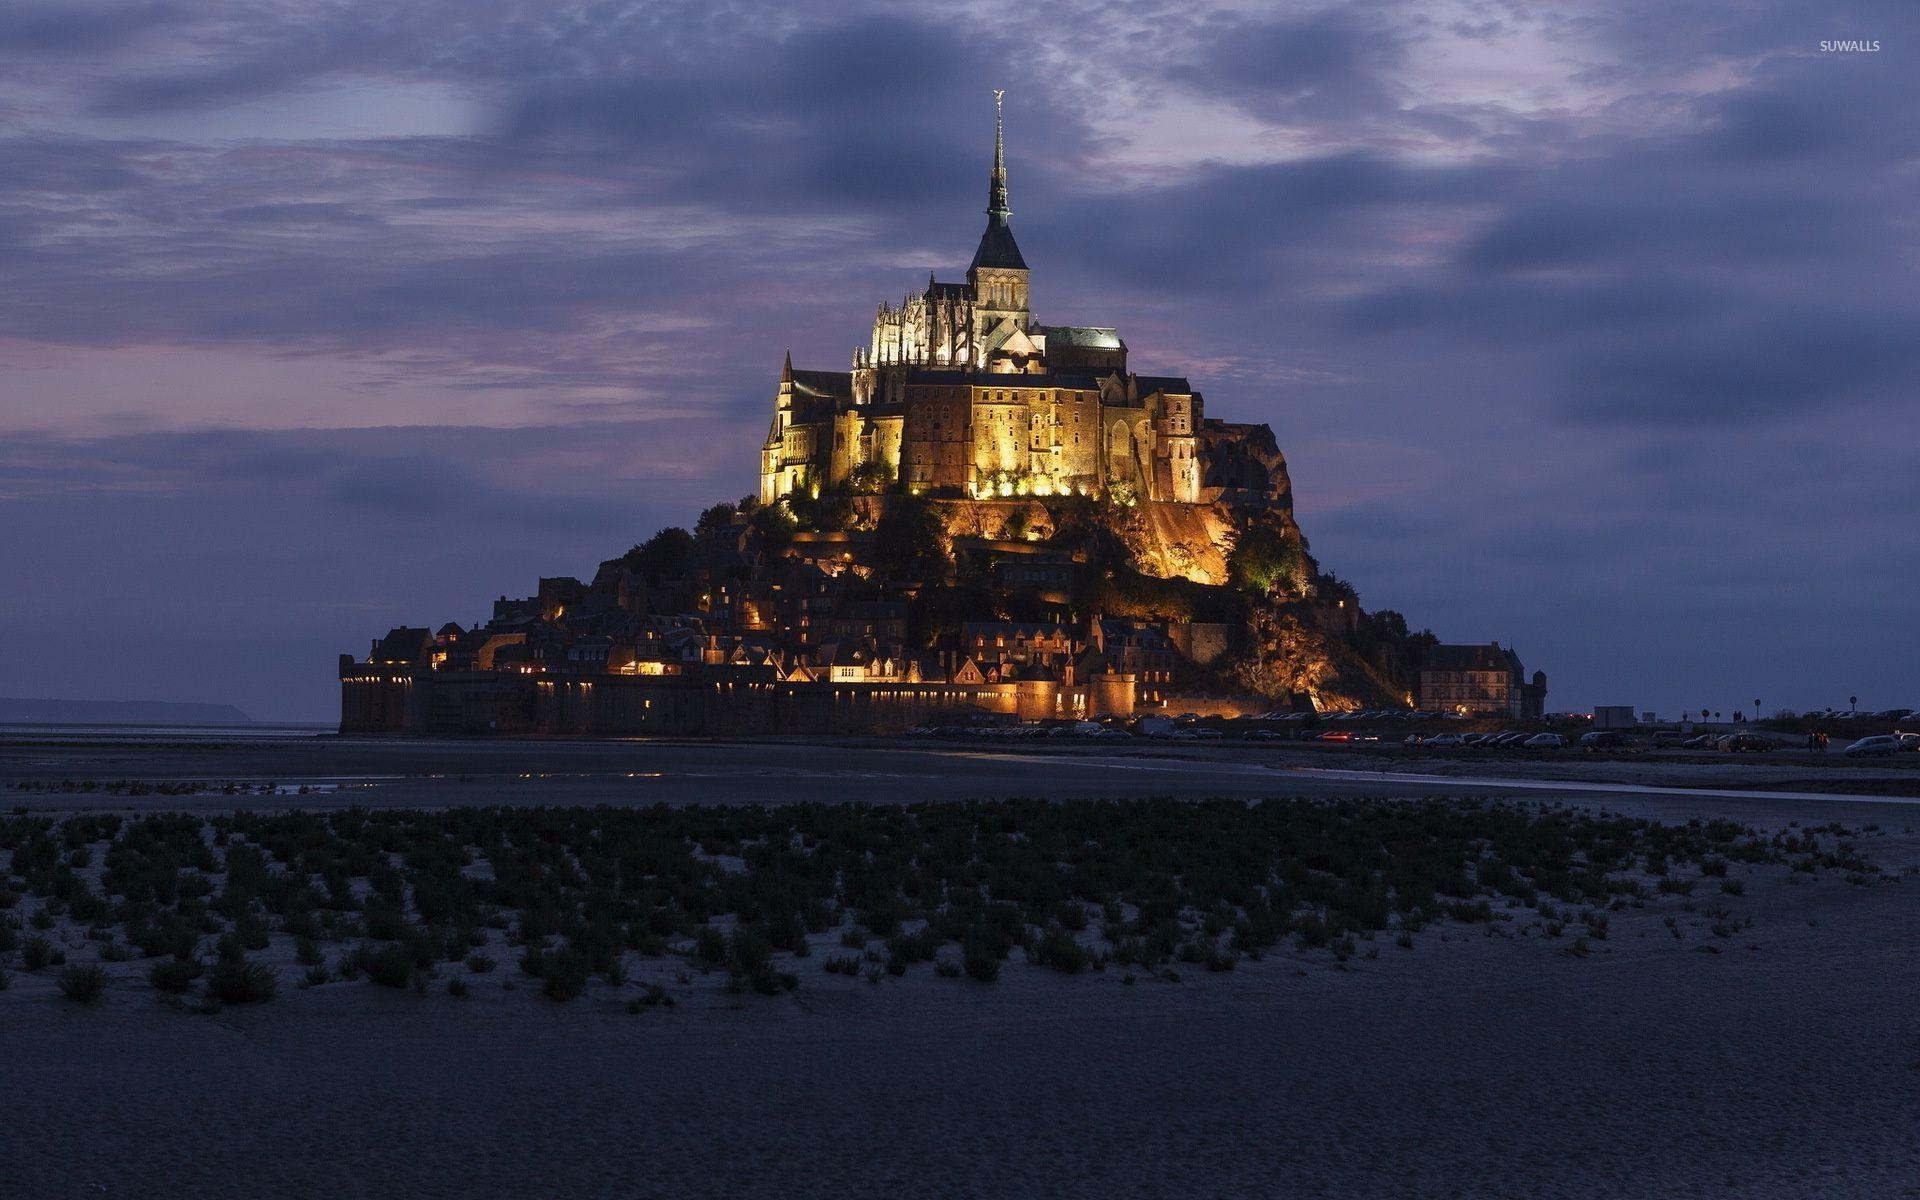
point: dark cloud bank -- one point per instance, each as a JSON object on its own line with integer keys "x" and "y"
{"x": 1627, "y": 377}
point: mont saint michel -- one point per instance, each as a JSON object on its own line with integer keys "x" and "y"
{"x": 629, "y": 599}
{"x": 984, "y": 515}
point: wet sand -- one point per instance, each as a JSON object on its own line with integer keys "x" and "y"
{"x": 1787, "y": 1063}
{"x": 375, "y": 772}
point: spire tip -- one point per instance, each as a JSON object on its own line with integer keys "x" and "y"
{"x": 997, "y": 190}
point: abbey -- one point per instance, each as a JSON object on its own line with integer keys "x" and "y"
{"x": 961, "y": 392}
{"x": 985, "y": 518}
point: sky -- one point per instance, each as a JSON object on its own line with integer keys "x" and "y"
{"x": 1587, "y": 327}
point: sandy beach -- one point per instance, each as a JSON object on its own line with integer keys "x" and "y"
{"x": 1780, "y": 1061}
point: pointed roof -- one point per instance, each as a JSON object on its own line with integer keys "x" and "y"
{"x": 997, "y": 248}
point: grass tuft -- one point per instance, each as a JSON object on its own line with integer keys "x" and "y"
{"x": 83, "y": 984}
{"x": 243, "y": 982}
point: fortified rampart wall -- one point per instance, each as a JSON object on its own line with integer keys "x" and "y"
{"x": 705, "y": 702}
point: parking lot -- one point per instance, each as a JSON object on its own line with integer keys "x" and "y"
{"x": 1885, "y": 735}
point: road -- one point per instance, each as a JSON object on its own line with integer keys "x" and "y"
{"x": 403, "y": 773}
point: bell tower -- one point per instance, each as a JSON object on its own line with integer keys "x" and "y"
{"x": 998, "y": 273}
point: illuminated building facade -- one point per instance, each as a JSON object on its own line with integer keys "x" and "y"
{"x": 960, "y": 391}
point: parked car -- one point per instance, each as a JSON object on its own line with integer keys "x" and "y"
{"x": 1877, "y": 746}
{"x": 1669, "y": 738}
{"x": 1264, "y": 735}
{"x": 1746, "y": 743}
{"x": 1597, "y": 740}
{"x": 1335, "y": 735}
{"x": 1445, "y": 741}
{"x": 1545, "y": 741}
{"x": 1703, "y": 741}
{"x": 1908, "y": 741}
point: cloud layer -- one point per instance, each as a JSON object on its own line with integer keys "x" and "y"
{"x": 1589, "y": 328}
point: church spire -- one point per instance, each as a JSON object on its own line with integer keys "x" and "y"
{"x": 997, "y": 190}
{"x": 997, "y": 248}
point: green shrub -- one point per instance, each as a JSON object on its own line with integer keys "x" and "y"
{"x": 479, "y": 963}
{"x": 792, "y": 936}
{"x": 748, "y": 951}
{"x": 251, "y": 931}
{"x": 243, "y": 982}
{"x": 1310, "y": 931}
{"x": 36, "y": 952}
{"x": 83, "y": 984}
{"x": 981, "y": 960}
{"x": 564, "y": 974}
{"x": 389, "y": 966}
{"x": 386, "y": 920}
{"x": 174, "y": 975}
{"x": 881, "y": 919}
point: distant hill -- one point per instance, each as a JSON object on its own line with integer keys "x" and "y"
{"x": 118, "y": 712}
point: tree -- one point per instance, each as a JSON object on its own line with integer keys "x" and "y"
{"x": 662, "y": 556}
{"x": 717, "y": 517}
{"x": 939, "y": 610}
{"x": 870, "y": 479}
{"x": 910, "y": 541}
{"x": 775, "y": 524}
{"x": 1264, "y": 560}
{"x": 830, "y": 511}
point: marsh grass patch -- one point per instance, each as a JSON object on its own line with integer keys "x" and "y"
{"x": 83, "y": 983}
{"x": 951, "y": 887}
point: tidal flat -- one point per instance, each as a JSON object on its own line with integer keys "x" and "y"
{"x": 1220, "y": 980}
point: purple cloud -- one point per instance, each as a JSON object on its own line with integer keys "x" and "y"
{"x": 1583, "y": 327}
